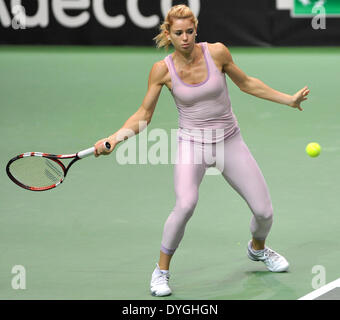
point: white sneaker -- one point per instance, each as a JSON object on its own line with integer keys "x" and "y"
{"x": 159, "y": 283}
{"x": 273, "y": 261}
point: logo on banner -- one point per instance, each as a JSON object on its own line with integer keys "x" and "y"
{"x": 310, "y": 8}
{"x": 82, "y": 11}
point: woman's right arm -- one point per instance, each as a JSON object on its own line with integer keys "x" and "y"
{"x": 142, "y": 117}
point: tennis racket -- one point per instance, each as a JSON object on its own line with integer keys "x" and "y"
{"x": 37, "y": 171}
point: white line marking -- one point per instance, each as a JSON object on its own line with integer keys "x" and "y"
{"x": 319, "y": 292}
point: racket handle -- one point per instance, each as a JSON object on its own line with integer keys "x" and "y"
{"x": 90, "y": 151}
{"x": 107, "y": 145}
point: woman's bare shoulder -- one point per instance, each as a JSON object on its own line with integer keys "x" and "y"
{"x": 160, "y": 71}
{"x": 218, "y": 49}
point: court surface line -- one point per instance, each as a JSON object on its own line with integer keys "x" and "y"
{"x": 319, "y": 292}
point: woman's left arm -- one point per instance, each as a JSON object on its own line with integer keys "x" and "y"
{"x": 255, "y": 86}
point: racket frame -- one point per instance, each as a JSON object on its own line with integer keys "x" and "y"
{"x": 56, "y": 158}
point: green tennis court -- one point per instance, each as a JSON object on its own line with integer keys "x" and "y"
{"x": 98, "y": 235}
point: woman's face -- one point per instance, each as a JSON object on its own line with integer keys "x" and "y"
{"x": 182, "y": 35}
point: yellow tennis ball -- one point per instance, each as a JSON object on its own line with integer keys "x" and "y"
{"x": 313, "y": 149}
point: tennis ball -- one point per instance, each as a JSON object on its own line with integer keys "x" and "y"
{"x": 313, "y": 149}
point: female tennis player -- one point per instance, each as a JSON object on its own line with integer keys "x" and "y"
{"x": 195, "y": 75}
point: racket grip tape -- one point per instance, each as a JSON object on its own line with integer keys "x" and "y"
{"x": 90, "y": 151}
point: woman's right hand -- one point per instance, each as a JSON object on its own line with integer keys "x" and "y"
{"x": 100, "y": 147}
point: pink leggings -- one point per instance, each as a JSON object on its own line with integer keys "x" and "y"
{"x": 233, "y": 158}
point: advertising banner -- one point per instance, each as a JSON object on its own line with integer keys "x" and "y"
{"x": 136, "y": 22}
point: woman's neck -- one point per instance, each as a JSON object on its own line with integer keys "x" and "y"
{"x": 189, "y": 57}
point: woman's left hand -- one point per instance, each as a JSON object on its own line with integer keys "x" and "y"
{"x": 298, "y": 97}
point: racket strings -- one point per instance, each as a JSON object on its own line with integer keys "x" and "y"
{"x": 37, "y": 172}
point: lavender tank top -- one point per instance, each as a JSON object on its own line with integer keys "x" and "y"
{"x": 205, "y": 112}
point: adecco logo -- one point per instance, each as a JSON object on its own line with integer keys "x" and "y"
{"x": 310, "y": 8}
{"x": 85, "y": 8}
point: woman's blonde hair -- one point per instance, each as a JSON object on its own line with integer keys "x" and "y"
{"x": 180, "y": 11}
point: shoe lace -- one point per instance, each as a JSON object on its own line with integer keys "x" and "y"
{"x": 163, "y": 278}
{"x": 272, "y": 255}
